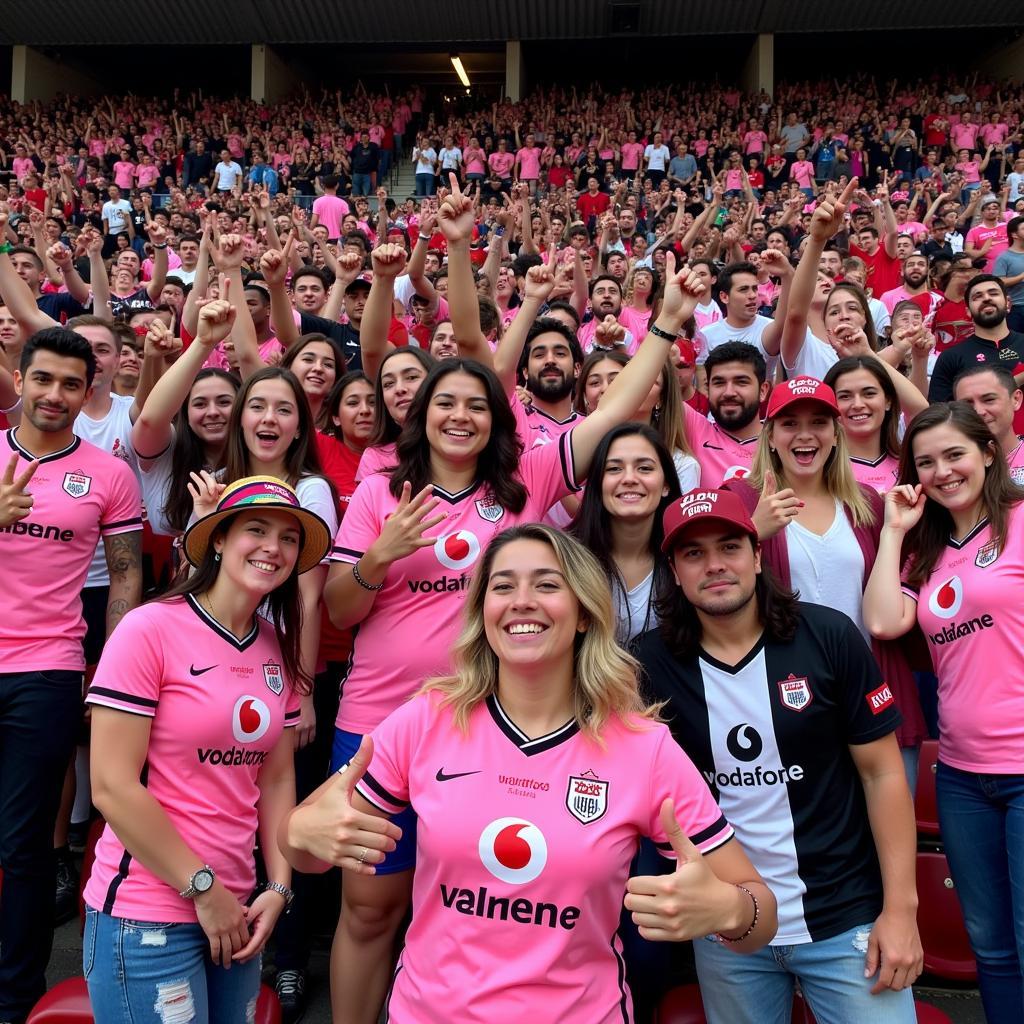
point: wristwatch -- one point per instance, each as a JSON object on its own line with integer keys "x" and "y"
{"x": 202, "y": 881}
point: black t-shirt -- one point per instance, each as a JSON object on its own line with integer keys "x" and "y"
{"x": 345, "y": 335}
{"x": 365, "y": 159}
{"x": 60, "y": 306}
{"x": 970, "y": 352}
{"x": 771, "y": 737}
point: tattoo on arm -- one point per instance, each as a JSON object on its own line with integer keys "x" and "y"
{"x": 124, "y": 553}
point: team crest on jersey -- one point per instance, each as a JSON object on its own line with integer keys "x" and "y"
{"x": 586, "y": 797}
{"x": 795, "y": 693}
{"x": 488, "y": 510}
{"x": 986, "y": 555}
{"x": 274, "y": 678}
{"x": 77, "y": 484}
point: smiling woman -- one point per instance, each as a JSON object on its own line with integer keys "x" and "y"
{"x": 538, "y": 678}
{"x": 212, "y": 684}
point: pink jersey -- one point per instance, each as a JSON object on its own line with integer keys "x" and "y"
{"x": 124, "y": 175}
{"x": 971, "y": 610}
{"x": 880, "y": 474}
{"x": 704, "y": 315}
{"x": 535, "y": 427}
{"x": 80, "y": 495}
{"x": 523, "y": 850}
{"x": 631, "y": 154}
{"x": 424, "y": 592}
{"x": 980, "y": 234}
{"x": 632, "y": 319}
{"x": 377, "y": 458}
{"x": 802, "y": 172}
{"x": 501, "y": 163}
{"x": 22, "y": 166}
{"x": 330, "y": 211}
{"x": 217, "y": 705}
{"x": 721, "y": 456}
{"x": 529, "y": 163}
{"x": 146, "y": 175}
{"x": 963, "y": 136}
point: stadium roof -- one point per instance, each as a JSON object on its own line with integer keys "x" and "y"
{"x": 451, "y": 22}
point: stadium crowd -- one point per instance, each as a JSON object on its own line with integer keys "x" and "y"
{"x": 671, "y": 436}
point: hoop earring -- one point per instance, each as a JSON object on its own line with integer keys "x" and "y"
{"x": 216, "y": 557}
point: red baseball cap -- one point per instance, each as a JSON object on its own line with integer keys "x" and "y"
{"x": 702, "y": 506}
{"x": 801, "y": 389}
{"x": 687, "y": 350}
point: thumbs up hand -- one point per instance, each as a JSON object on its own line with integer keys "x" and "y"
{"x": 689, "y": 903}
{"x": 327, "y": 826}
{"x": 775, "y": 509}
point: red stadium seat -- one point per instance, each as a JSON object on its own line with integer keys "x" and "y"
{"x": 947, "y": 951}
{"x": 925, "y": 807}
{"x": 68, "y": 1003}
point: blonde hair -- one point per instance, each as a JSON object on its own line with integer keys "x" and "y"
{"x": 838, "y": 473}
{"x": 604, "y": 675}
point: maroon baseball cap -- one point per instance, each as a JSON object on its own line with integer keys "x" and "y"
{"x": 701, "y": 506}
{"x": 801, "y": 389}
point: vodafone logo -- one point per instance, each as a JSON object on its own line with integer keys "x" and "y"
{"x": 513, "y": 850}
{"x": 250, "y": 719}
{"x": 946, "y": 600}
{"x": 457, "y": 550}
{"x": 736, "y": 473}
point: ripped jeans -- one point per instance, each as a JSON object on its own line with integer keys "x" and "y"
{"x": 757, "y": 988}
{"x": 143, "y": 973}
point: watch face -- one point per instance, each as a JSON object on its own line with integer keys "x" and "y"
{"x": 203, "y": 880}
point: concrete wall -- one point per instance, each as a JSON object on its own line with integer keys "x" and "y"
{"x": 34, "y": 76}
{"x": 759, "y": 71}
{"x": 515, "y": 84}
{"x": 1006, "y": 62}
{"x": 272, "y": 78}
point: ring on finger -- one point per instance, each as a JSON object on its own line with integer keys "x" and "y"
{"x": 362, "y": 856}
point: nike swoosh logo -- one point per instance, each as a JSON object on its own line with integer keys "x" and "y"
{"x": 441, "y": 777}
{"x": 193, "y": 671}
{"x": 713, "y": 447}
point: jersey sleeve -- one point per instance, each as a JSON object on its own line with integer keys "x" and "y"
{"x": 123, "y": 510}
{"x": 870, "y": 708}
{"x": 673, "y": 774}
{"x": 547, "y": 471}
{"x": 361, "y": 525}
{"x": 293, "y": 708}
{"x": 386, "y": 781}
{"x": 131, "y": 666}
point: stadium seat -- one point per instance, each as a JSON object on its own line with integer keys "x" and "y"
{"x": 947, "y": 951}
{"x": 925, "y": 807}
{"x": 68, "y": 1003}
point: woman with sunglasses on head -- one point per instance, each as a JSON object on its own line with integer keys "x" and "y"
{"x": 458, "y": 462}
{"x": 191, "y": 762}
{"x": 538, "y": 865}
{"x": 951, "y": 560}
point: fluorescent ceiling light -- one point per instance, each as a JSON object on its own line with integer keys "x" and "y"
{"x": 460, "y": 70}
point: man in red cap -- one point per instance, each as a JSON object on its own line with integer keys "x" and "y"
{"x": 783, "y": 709}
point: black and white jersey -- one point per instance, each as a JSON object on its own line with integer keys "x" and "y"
{"x": 771, "y": 736}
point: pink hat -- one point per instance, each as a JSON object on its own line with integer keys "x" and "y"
{"x": 801, "y": 389}
{"x": 704, "y": 506}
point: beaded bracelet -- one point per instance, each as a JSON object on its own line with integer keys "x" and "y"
{"x": 753, "y": 924}
{"x": 357, "y": 576}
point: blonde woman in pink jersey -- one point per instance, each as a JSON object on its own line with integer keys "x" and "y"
{"x": 534, "y": 770}
{"x": 951, "y": 559}
{"x": 191, "y": 760}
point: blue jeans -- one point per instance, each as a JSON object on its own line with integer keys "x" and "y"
{"x": 144, "y": 973}
{"x": 362, "y": 184}
{"x": 981, "y": 818}
{"x": 403, "y": 856}
{"x": 758, "y": 988}
{"x": 424, "y": 184}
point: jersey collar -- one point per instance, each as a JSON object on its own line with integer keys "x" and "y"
{"x": 958, "y": 544}
{"x": 740, "y": 665}
{"x": 225, "y": 634}
{"x": 12, "y": 440}
{"x": 454, "y": 499}
{"x": 870, "y": 462}
{"x": 529, "y": 746}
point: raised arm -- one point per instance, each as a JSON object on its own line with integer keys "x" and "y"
{"x": 227, "y": 256}
{"x": 158, "y": 236}
{"x": 627, "y": 392}
{"x": 274, "y": 267}
{"x": 18, "y": 296}
{"x": 388, "y": 263}
{"x": 540, "y": 281}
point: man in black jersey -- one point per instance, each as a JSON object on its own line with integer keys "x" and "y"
{"x": 782, "y": 708}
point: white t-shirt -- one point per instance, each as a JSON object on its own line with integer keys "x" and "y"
{"x": 880, "y": 316}
{"x": 1016, "y": 183}
{"x": 450, "y": 158}
{"x": 719, "y": 333}
{"x": 425, "y": 161}
{"x": 815, "y": 359}
{"x": 687, "y": 469}
{"x": 111, "y": 434}
{"x": 116, "y": 214}
{"x": 829, "y": 569}
{"x": 634, "y": 609}
{"x": 657, "y": 157}
{"x": 227, "y": 175}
